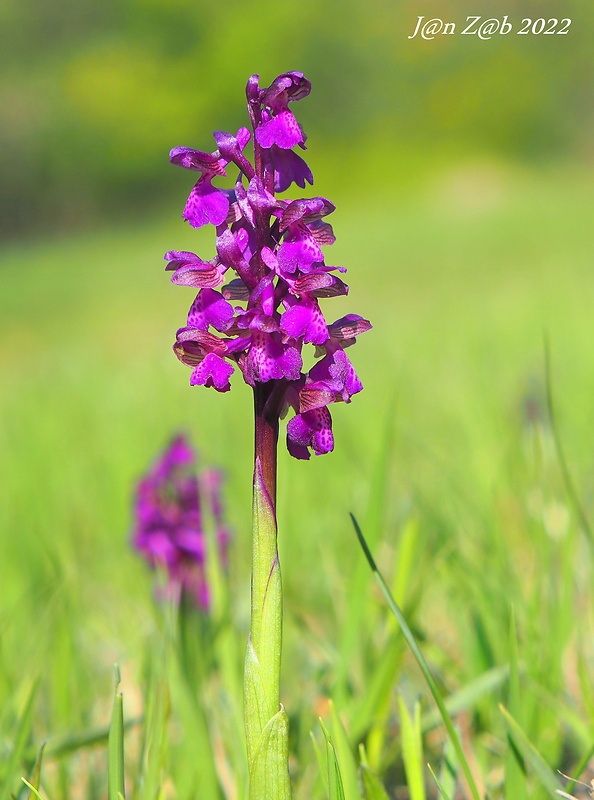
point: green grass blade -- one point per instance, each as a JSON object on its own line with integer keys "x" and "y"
{"x": 412, "y": 749}
{"x": 335, "y": 787}
{"x": 33, "y": 789}
{"x": 115, "y": 774}
{"x": 20, "y": 740}
{"x": 567, "y": 479}
{"x": 346, "y": 759}
{"x": 373, "y": 788}
{"x": 60, "y": 746}
{"x": 412, "y": 643}
{"x": 466, "y": 697}
{"x": 320, "y": 758}
{"x": 153, "y": 755}
{"x": 531, "y": 755}
{"x": 515, "y": 777}
{"x": 442, "y": 791}
{"x": 448, "y": 772}
{"x": 35, "y": 778}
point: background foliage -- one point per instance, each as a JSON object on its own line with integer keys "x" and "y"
{"x": 93, "y": 94}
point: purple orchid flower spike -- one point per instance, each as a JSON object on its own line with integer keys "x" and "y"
{"x": 257, "y": 309}
{"x": 169, "y": 527}
{"x": 274, "y": 247}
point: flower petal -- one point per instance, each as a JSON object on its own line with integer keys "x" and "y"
{"x": 305, "y": 321}
{"x": 289, "y": 168}
{"x": 269, "y": 359}
{"x": 348, "y": 327}
{"x": 210, "y": 308}
{"x": 235, "y": 290}
{"x": 203, "y": 275}
{"x": 206, "y": 205}
{"x": 212, "y": 371}
{"x": 300, "y": 252}
{"x": 306, "y": 210}
{"x": 207, "y": 163}
{"x": 282, "y": 130}
{"x": 312, "y": 429}
{"x": 285, "y": 88}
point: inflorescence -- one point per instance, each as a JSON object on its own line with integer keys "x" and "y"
{"x": 169, "y": 521}
{"x": 273, "y": 246}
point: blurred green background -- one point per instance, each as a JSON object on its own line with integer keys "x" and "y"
{"x": 463, "y": 175}
{"x": 93, "y": 95}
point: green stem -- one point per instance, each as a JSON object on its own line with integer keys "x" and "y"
{"x": 265, "y": 720}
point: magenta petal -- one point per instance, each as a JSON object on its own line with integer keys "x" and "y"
{"x": 348, "y": 327}
{"x": 213, "y": 371}
{"x": 210, "y": 308}
{"x": 319, "y": 284}
{"x": 268, "y": 359}
{"x": 297, "y": 450}
{"x": 305, "y": 321}
{"x": 177, "y": 258}
{"x": 206, "y": 205}
{"x": 179, "y": 453}
{"x": 230, "y": 145}
{"x": 198, "y": 275}
{"x": 323, "y": 234}
{"x": 236, "y": 290}
{"x": 286, "y": 88}
{"x": 312, "y": 429}
{"x": 282, "y": 130}
{"x": 308, "y": 210}
{"x": 334, "y": 373}
{"x": 192, "y": 542}
{"x": 207, "y": 163}
{"x": 299, "y": 253}
{"x": 289, "y": 168}
{"x": 260, "y": 198}
{"x": 313, "y": 396}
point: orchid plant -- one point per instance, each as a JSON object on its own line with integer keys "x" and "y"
{"x": 170, "y": 526}
{"x": 257, "y": 307}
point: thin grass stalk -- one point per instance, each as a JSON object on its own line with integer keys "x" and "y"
{"x": 412, "y": 643}
{"x": 567, "y": 478}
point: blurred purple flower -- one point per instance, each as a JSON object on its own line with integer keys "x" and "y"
{"x": 272, "y": 250}
{"x": 169, "y": 523}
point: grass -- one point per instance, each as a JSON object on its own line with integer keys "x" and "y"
{"x": 447, "y": 460}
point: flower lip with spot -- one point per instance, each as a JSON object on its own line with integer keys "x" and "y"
{"x": 310, "y": 429}
{"x": 207, "y": 204}
{"x": 278, "y": 126}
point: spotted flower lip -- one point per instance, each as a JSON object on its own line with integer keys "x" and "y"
{"x": 169, "y": 527}
{"x": 206, "y": 204}
{"x": 259, "y": 299}
{"x": 278, "y": 126}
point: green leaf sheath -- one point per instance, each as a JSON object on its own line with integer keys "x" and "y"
{"x": 266, "y": 722}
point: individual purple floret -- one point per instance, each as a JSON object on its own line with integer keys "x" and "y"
{"x": 169, "y": 528}
{"x": 269, "y": 256}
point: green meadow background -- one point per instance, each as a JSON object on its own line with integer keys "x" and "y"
{"x": 463, "y": 174}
